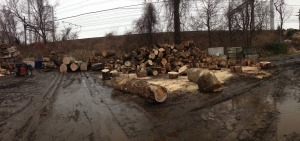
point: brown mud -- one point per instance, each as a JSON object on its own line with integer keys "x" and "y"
{"x": 80, "y": 106}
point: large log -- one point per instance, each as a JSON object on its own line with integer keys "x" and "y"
{"x": 97, "y": 67}
{"x": 63, "y": 68}
{"x": 152, "y": 92}
{"x": 68, "y": 60}
{"x": 84, "y": 66}
{"x": 205, "y": 79}
{"x": 74, "y": 66}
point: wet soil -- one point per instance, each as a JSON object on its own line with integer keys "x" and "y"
{"x": 80, "y": 106}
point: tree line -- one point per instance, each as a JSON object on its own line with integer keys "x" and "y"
{"x": 247, "y": 16}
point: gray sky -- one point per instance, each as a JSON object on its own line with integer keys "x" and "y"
{"x": 120, "y": 20}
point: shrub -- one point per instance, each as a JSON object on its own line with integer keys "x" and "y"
{"x": 276, "y": 48}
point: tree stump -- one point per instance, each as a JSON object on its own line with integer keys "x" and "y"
{"x": 236, "y": 69}
{"x": 173, "y": 75}
{"x": 105, "y": 74}
{"x": 265, "y": 65}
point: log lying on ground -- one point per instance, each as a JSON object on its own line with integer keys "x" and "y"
{"x": 152, "y": 92}
{"x": 97, "y": 67}
{"x": 183, "y": 70}
{"x": 205, "y": 79}
{"x": 265, "y": 65}
{"x": 236, "y": 69}
{"x": 49, "y": 65}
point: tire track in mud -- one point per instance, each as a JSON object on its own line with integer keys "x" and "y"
{"x": 40, "y": 107}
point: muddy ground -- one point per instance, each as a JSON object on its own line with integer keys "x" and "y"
{"x": 50, "y": 106}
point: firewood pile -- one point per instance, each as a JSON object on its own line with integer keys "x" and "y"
{"x": 7, "y": 55}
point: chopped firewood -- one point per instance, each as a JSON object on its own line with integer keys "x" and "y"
{"x": 127, "y": 63}
{"x": 164, "y": 62}
{"x": 141, "y": 73}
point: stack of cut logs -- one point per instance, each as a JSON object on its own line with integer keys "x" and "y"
{"x": 162, "y": 58}
{"x": 70, "y": 64}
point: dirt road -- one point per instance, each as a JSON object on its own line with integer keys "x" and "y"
{"x": 79, "y": 106}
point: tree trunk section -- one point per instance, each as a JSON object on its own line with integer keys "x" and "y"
{"x": 205, "y": 79}
{"x": 152, "y": 92}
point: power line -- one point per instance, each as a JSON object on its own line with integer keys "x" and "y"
{"x": 123, "y": 7}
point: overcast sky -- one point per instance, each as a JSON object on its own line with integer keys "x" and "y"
{"x": 117, "y": 20}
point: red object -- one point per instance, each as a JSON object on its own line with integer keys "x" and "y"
{"x": 22, "y": 70}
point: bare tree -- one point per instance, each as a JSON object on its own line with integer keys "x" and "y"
{"x": 175, "y": 12}
{"x": 284, "y": 14}
{"x": 8, "y": 26}
{"x": 148, "y": 21}
{"x": 42, "y": 13}
{"x": 209, "y": 11}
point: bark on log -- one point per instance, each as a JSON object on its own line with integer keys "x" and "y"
{"x": 265, "y": 65}
{"x": 97, "y": 67}
{"x": 105, "y": 74}
{"x": 152, "y": 92}
{"x": 173, "y": 75}
{"x": 205, "y": 79}
{"x": 63, "y": 68}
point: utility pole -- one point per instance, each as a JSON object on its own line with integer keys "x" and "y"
{"x": 53, "y": 25}
{"x": 25, "y": 35}
{"x": 29, "y": 21}
{"x": 272, "y": 17}
{"x": 299, "y": 18}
